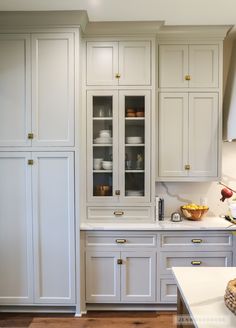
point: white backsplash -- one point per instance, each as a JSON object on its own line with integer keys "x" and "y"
{"x": 176, "y": 194}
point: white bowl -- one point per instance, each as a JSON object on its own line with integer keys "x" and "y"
{"x": 107, "y": 165}
{"x": 134, "y": 193}
{"x": 103, "y": 140}
{"x": 105, "y": 133}
{"x": 134, "y": 140}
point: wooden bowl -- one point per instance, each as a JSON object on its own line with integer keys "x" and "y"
{"x": 194, "y": 215}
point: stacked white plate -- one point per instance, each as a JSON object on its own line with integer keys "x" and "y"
{"x": 134, "y": 140}
{"x": 134, "y": 193}
{"x": 103, "y": 140}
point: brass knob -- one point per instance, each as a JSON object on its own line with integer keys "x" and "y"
{"x": 121, "y": 241}
{"x": 187, "y": 77}
{"x": 30, "y": 162}
{"x": 117, "y": 192}
{"x": 197, "y": 241}
{"x": 119, "y": 261}
{"x": 196, "y": 262}
{"x": 30, "y": 136}
{"x": 187, "y": 167}
{"x": 117, "y": 75}
{"x": 119, "y": 213}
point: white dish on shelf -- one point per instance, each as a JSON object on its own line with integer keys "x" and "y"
{"x": 105, "y": 134}
{"x": 103, "y": 140}
{"x": 107, "y": 165}
{"x": 134, "y": 140}
{"x": 134, "y": 193}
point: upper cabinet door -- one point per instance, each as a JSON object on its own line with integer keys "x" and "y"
{"x": 173, "y": 66}
{"x": 203, "y": 134}
{"x": 15, "y": 107}
{"x": 134, "y": 63}
{"x": 102, "y": 63}
{"x": 203, "y": 66}
{"x": 53, "y": 89}
{"x": 173, "y": 134}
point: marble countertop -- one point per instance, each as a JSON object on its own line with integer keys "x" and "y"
{"x": 207, "y": 223}
{"x": 203, "y": 290}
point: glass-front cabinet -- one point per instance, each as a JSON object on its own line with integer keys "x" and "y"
{"x": 118, "y": 127}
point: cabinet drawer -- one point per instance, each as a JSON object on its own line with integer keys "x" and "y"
{"x": 197, "y": 259}
{"x": 111, "y": 213}
{"x": 193, "y": 241}
{"x": 168, "y": 291}
{"x": 120, "y": 239}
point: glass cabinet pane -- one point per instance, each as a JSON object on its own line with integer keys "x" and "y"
{"x": 102, "y": 135}
{"x": 134, "y": 146}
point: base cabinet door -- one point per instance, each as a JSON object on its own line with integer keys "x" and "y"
{"x": 16, "y": 284}
{"x": 53, "y": 227}
{"x": 102, "y": 277}
{"x": 138, "y": 277}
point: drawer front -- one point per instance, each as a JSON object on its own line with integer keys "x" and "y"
{"x": 168, "y": 291}
{"x": 120, "y": 240}
{"x": 194, "y": 259}
{"x": 119, "y": 213}
{"x": 194, "y": 241}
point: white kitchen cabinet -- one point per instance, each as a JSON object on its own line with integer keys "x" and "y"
{"x": 37, "y": 81}
{"x": 126, "y": 147}
{"x": 53, "y": 223}
{"x": 15, "y": 92}
{"x": 114, "y": 277}
{"x": 37, "y": 246}
{"x": 53, "y": 89}
{"x": 16, "y": 251}
{"x": 188, "y": 135}
{"x": 119, "y": 63}
{"x": 188, "y": 66}
{"x": 102, "y": 276}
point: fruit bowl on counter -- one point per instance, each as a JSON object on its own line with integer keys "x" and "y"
{"x": 194, "y": 212}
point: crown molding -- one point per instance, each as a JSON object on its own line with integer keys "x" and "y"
{"x": 43, "y": 18}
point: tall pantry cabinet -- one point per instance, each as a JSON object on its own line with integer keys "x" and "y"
{"x": 37, "y": 143}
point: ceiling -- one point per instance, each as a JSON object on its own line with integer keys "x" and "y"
{"x": 173, "y": 12}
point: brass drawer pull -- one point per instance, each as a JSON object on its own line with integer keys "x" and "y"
{"x": 119, "y": 261}
{"x": 30, "y": 136}
{"x": 196, "y": 241}
{"x": 117, "y": 76}
{"x": 117, "y": 192}
{"x": 187, "y": 167}
{"x": 187, "y": 77}
{"x": 119, "y": 213}
{"x": 30, "y": 162}
{"x": 196, "y": 262}
{"x": 121, "y": 241}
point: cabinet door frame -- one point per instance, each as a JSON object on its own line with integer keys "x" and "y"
{"x": 28, "y": 299}
{"x": 214, "y": 48}
{"x": 148, "y": 147}
{"x": 150, "y": 297}
{"x": 70, "y": 299}
{"x": 100, "y": 44}
{"x": 114, "y": 94}
{"x": 115, "y": 298}
{"x": 126, "y": 80}
{"x": 164, "y": 67}
{"x": 184, "y": 156}
{"x": 69, "y": 141}
{"x": 194, "y": 172}
{"x": 27, "y": 121}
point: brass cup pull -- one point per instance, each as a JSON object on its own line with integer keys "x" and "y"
{"x": 119, "y": 261}
{"x": 187, "y": 167}
{"x": 187, "y": 77}
{"x": 119, "y": 213}
{"x": 117, "y": 75}
{"x": 121, "y": 241}
{"x": 196, "y": 241}
{"x": 196, "y": 262}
